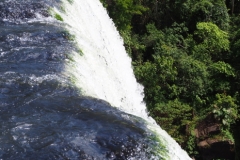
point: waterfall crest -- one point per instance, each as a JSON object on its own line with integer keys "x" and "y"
{"x": 67, "y": 88}
{"x": 105, "y": 69}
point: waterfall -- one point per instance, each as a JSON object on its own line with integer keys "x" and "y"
{"x": 104, "y": 69}
{"x": 67, "y": 89}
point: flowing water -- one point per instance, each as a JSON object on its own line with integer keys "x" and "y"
{"x": 67, "y": 89}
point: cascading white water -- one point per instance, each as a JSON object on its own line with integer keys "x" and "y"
{"x": 104, "y": 70}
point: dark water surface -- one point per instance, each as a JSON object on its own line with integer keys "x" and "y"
{"x": 42, "y": 115}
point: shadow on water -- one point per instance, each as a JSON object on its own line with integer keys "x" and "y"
{"x": 42, "y": 115}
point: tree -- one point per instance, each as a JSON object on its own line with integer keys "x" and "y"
{"x": 122, "y": 12}
{"x": 175, "y": 117}
{"x": 212, "y": 38}
{"x": 225, "y": 110}
{"x": 186, "y": 55}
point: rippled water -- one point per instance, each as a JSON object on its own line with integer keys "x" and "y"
{"x": 45, "y": 111}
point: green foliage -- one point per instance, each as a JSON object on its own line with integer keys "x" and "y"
{"x": 186, "y": 53}
{"x": 193, "y": 80}
{"x": 70, "y": 37}
{"x": 156, "y": 78}
{"x": 79, "y": 51}
{"x": 235, "y": 42}
{"x": 181, "y": 76}
{"x": 132, "y": 44}
{"x": 187, "y": 77}
{"x": 214, "y": 11}
{"x": 54, "y": 14}
{"x": 226, "y": 135}
{"x": 165, "y": 13}
{"x": 225, "y": 109}
{"x": 220, "y": 72}
{"x": 213, "y": 39}
{"x": 174, "y": 117}
{"x": 123, "y": 11}
{"x": 70, "y": 1}
{"x": 58, "y": 17}
{"x": 191, "y": 145}
{"x": 222, "y": 68}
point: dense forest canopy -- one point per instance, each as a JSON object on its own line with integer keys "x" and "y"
{"x": 186, "y": 54}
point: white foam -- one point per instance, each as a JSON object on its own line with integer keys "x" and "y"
{"x": 104, "y": 70}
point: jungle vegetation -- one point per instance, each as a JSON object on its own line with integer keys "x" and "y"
{"x": 186, "y": 53}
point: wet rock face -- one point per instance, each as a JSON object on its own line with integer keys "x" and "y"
{"x": 214, "y": 149}
{"x": 16, "y": 11}
{"x": 236, "y": 131}
{"x": 210, "y": 143}
{"x": 209, "y": 126}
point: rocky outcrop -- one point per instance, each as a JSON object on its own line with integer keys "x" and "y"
{"x": 236, "y": 131}
{"x": 216, "y": 149}
{"x": 210, "y": 141}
